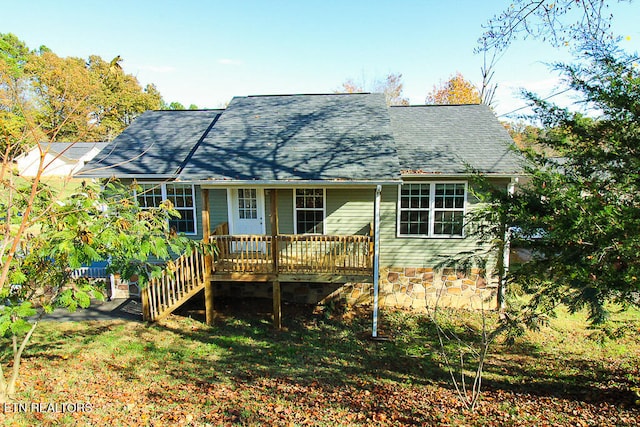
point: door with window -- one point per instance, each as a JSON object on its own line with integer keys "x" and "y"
{"x": 246, "y": 212}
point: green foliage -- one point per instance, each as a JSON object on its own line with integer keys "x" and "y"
{"x": 90, "y": 225}
{"x": 47, "y": 97}
{"x": 175, "y": 106}
{"x": 13, "y": 318}
{"x": 579, "y": 214}
{"x": 14, "y": 53}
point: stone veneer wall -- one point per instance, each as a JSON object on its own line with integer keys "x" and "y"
{"x": 417, "y": 287}
{"x": 408, "y": 287}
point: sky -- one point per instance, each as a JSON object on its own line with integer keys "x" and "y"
{"x": 207, "y": 51}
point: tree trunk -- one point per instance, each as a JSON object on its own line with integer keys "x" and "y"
{"x": 8, "y": 388}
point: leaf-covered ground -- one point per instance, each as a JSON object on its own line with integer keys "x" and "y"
{"x": 321, "y": 370}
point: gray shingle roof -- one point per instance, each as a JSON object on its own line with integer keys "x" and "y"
{"x": 332, "y": 137}
{"x": 298, "y": 137}
{"x": 444, "y": 139}
{"x": 156, "y": 143}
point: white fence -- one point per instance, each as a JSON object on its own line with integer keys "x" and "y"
{"x": 90, "y": 272}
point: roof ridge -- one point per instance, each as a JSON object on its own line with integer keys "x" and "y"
{"x": 308, "y": 94}
{"x": 185, "y": 110}
{"x": 437, "y": 105}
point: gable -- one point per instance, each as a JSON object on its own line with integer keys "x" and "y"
{"x": 298, "y": 137}
{"x": 156, "y": 144}
{"x": 448, "y": 139}
{"x": 60, "y": 158}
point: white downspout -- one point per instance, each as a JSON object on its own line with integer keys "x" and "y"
{"x": 376, "y": 258}
{"x": 506, "y": 255}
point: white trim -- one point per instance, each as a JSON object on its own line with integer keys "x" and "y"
{"x": 324, "y": 210}
{"x": 376, "y": 258}
{"x": 154, "y": 176}
{"x": 290, "y": 184}
{"x": 462, "y": 176}
{"x": 230, "y": 204}
{"x": 431, "y": 210}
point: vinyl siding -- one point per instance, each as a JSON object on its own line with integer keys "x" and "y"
{"x": 218, "y": 212}
{"x": 285, "y": 211}
{"x": 413, "y": 251}
{"x": 349, "y": 211}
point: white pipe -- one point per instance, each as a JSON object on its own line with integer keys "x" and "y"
{"x": 506, "y": 254}
{"x": 376, "y": 258}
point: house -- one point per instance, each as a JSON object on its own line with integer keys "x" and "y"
{"x": 62, "y": 159}
{"x": 310, "y": 197}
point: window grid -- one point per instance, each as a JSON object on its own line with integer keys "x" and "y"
{"x": 247, "y": 203}
{"x": 309, "y": 210}
{"x": 449, "y": 209}
{"x": 431, "y": 209}
{"x": 181, "y": 195}
{"x": 150, "y": 196}
{"x": 182, "y": 198}
{"x": 414, "y": 209}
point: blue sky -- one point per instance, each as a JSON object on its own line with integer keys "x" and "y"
{"x": 205, "y": 52}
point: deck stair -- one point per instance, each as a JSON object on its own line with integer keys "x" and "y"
{"x": 181, "y": 280}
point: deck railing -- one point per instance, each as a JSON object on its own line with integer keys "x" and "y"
{"x": 162, "y": 295}
{"x": 295, "y": 254}
{"x": 243, "y": 254}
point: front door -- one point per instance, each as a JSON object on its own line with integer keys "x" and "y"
{"x": 246, "y": 211}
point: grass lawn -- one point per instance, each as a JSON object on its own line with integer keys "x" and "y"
{"x": 321, "y": 370}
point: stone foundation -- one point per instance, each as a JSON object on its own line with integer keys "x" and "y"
{"x": 417, "y": 287}
{"x": 408, "y": 287}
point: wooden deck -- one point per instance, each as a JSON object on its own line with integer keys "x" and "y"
{"x": 271, "y": 258}
{"x": 259, "y": 258}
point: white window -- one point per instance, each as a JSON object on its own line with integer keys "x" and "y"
{"x": 247, "y": 203}
{"x": 309, "y": 210}
{"x": 181, "y": 195}
{"x": 434, "y": 209}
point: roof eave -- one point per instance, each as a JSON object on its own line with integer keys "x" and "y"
{"x": 462, "y": 175}
{"x": 292, "y": 183}
{"x": 126, "y": 176}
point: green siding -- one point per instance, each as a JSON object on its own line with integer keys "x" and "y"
{"x": 218, "y": 212}
{"x": 412, "y": 251}
{"x": 349, "y": 211}
{"x": 285, "y": 211}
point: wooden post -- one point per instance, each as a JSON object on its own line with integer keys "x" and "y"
{"x": 277, "y": 306}
{"x": 208, "y": 285}
{"x": 146, "y": 308}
